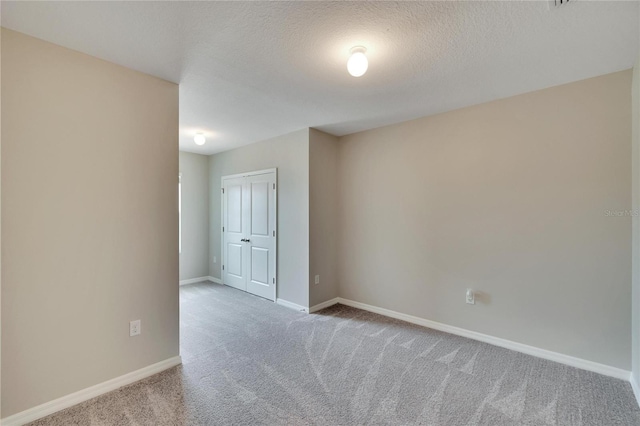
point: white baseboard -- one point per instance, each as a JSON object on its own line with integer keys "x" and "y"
{"x": 323, "y": 305}
{"x": 584, "y": 364}
{"x": 194, "y": 280}
{"x": 636, "y": 388}
{"x": 214, "y": 279}
{"x": 200, "y": 280}
{"x": 291, "y": 305}
{"x": 70, "y": 400}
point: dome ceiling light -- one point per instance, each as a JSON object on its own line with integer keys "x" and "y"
{"x": 357, "y": 64}
{"x": 199, "y": 139}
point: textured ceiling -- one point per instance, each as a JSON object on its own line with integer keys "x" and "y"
{"x": 250, "y": 71}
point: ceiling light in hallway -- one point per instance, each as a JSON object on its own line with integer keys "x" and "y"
{"x": 199, "y": 139}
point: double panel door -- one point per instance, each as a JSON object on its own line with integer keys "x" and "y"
{"x": 249, "y": 232}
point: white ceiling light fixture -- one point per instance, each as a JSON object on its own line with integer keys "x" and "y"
{"x": 199, "y": 139}
{"x": 358, "y": 63}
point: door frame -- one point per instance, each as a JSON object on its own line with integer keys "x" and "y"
{"x": 222, "y": 252}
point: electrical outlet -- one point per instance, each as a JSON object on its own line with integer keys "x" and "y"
{"x": 317, "y": 279}
{"x": 470, "y": 297}
{"x": 134, "y": 328}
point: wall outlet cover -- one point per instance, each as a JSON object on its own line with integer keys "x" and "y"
{"x": 470, "y": 297}
{"x": 134, "y": 328}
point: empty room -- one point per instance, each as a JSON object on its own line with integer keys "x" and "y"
{"x": 320, "y": 213}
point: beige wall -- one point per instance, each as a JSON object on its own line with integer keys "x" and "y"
{"x": 89, "y": 221}
{"x": 323, "y": 216}
{"x": 194, "y": 255}
{"x": 507, "y": 198}
{"x": 290, "y": 155}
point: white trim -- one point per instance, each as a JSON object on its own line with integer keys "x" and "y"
{"x": 254, "y": 173}
{"x": 194, "y": 280}
{"x": 201, "y": 279}
{"x": 292, "y": 305}
{"x": 584, "y": 364}
{"x": 276, "y": 230}
{"x": 323, "y": 305}
{"x": 221, "y": 231}
{"x": 72, "y": 399}
{"x": 636, "y": 388}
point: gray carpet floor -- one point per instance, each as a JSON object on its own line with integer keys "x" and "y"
{"x": 247, "y": 361}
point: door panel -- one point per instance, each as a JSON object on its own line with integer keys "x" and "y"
{"x": 260, "y": 208}
{"x": 234, "y": 260}
{"x": 233, "y": 222}
{"x": 262, "y": 264}
{"x": 234, "y": 206}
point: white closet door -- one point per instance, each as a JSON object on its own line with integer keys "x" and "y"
{"x": 261, "y": 264}
{"x": 249, "y": 232}
{"x": 234, "y": 201}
